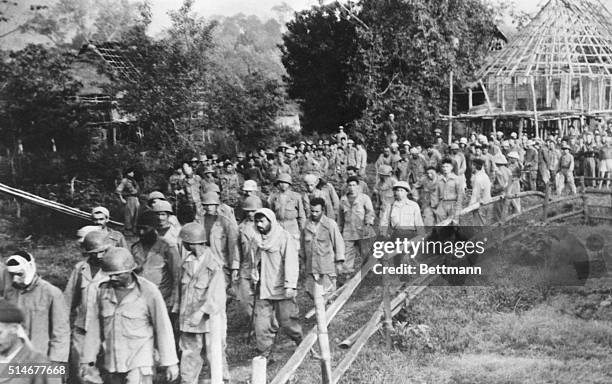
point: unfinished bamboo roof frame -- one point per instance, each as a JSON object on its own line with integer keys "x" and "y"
{"x": 559, "y": 66}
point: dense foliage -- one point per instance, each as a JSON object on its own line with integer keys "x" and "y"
{"x": 318, "y": 50}
{"x": 383, "y": 57}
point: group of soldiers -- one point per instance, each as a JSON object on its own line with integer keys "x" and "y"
{"x": 252, "y": 230}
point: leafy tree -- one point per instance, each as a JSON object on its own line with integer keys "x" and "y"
{"x": 179, "y": 77}
{"x": 36, "y": 100}
{"x": 245, "y": 44}
{"x": 318, "y": 52}
{"x": 77, "y": 22}
{"x": 407, "y": 50}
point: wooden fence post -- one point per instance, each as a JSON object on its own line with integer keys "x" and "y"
{"x": 216, "y": 346}
{"x": 388, "y": 324}
{"x": 258, "y": 372}
{"x": 545, "y": 205}
{"x": 326, "y": 369}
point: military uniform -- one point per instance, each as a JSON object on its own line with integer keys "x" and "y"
{"x": 160, "y": 264}
{"x": 79, "y": 293}
{"x": 566, "y": 174}
{"x": 322, "y": 247}
{"x": 447, "y": 198}
{"x": 276, "y": 267}
{"x": 129, "y": 331}
{"x": 327, "y": 193}
{"x": 355, "y": 220}
{"x": 426, "y": 187}
{"x": 46, "y": 317}
{"x": 201, "y": 294}
{"x": 289, "y": 210}
{"x": 128, "y": 188}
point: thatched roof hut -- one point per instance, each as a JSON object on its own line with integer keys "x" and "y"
{"x": 559, "y": 67}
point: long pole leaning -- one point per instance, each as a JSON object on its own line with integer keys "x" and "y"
{"x": 326, "y": 369}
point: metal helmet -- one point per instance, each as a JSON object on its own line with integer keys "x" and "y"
{"x": 162, "y": 206}
{"x": 249, "y": 185}
{"x": 156, "y": 195}
{"x": 118, "y": 260}
{"x": 284, "y": 178}
{"x": 193, "y": 233}
{"x": 96, "y": 241}
{"x": 210, "y": 198}
{"x": 251, "y": 203}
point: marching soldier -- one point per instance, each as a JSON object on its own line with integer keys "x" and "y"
{"x": 276, "y": 262}
{"x": 128, "y": 191}
{"x": 424, "y": 190}
{"x": 46, "y": 314}
{"x": 80, "y": 293}
{"x": 246, "y": 233}
{"x": 316, "y": 187}
{"x": 403, "y": 217}
{"x": 201, "y": 295}
{"x": 501, "y": 183}
{"x": 355, "y": 220}
{"x": 565, "y": 175}
{"x": 158, "y": 260}
{"x": 129, "y": 321}
{"x": 447, "y": 198}
{"x": 221, "y": 234}
{"x": 165, "y": 229}
{"x": 191, "y": 192}
{"x": 287, "y": 206}
{"x": 481, "y": 191}
{"x": 322, "y": 248}
{"x": 100, "y": 216}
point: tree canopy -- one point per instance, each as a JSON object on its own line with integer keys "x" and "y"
{"x": 359, "y": 62}
{"x": 318, "y": 52}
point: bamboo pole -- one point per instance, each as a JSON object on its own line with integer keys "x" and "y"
{"x": 216, "y": 353}
{"x": 302, "y": 350}
{"x": 450, "y": 110}
{"x": 258, "y": 370}
{"x": 535, "y": 107}
{"x": 485, "y": 93}
{"x": 326, "y": 369}
{"x": 37, "y": 200}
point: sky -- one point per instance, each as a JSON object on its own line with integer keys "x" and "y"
{"x": 261, "y": 8}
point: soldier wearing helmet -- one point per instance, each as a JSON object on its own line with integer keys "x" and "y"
{"x": 383, "y": 190}
{"x": 288, "y": 207}
{"x": 128, "y": 322}
{"x": 46, "y": 316}
{"x": 246, "y": 233}
{"x": 222, "y": 208}
{"x": 221, "y": 234}
{"x": 80, "y": 292}
{"x": 201, "y": 295}
{"x": 157, "y": 197}
{"x": 165, "y": 228}
{"x": 158, "y": 260}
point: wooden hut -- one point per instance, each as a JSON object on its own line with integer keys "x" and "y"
{"x": 556, "y": 70}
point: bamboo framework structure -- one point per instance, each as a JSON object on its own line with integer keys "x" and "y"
{"x": 559, "y": 65}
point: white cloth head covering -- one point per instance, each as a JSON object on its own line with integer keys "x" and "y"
{"x": 22, "y": 262}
